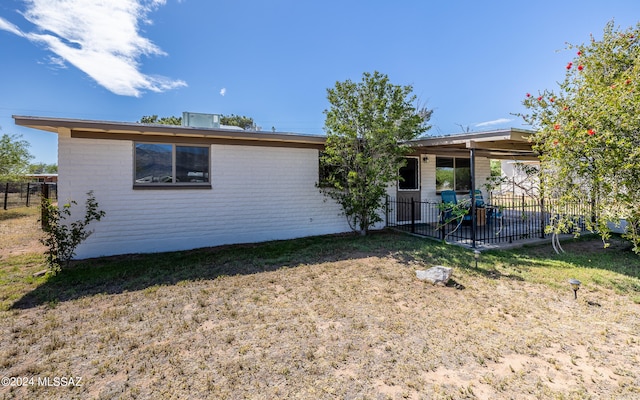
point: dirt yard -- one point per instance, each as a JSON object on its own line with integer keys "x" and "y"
{"x": 357, "y": 326}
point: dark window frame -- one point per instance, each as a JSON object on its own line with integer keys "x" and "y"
{"x": 416, "y": 176}
{"x": 202, "y": 181}
{"x": 456, "y": 170}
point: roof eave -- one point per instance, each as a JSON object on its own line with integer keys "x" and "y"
{"x": 130, "y": 128}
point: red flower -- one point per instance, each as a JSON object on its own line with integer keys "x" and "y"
{"x": 555, "y": 142}
{"x": 569, "y": 65}
{"x": 591, "y": 132}
{"x": 552, "y": 99}
{"x": 628, "y": 82}
{"x": 540, "y": 98}
{"x": 579, "y": 53}
{"x": 528, "y": 94}
{"x": 565, "y": 108}
{"x": 580, "y": 67}
{"x": 556, "y": 127}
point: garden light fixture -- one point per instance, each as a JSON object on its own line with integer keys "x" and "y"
{"x": 476, "y": 255}
{"x": 575, "y": 285}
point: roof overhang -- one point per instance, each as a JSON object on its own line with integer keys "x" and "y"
{"x": 500, "y": 144}
{"x": 89, "y": 129}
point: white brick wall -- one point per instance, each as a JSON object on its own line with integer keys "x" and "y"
{"x": 258, "y": 194}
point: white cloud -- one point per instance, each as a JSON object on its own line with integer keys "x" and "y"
{"x": 499, "y": 121}
{"x": 8, "y": 26}
{"x": 57, "y": 62}
{"x": 100, "y": 38}
{"x": 223, "y": 91}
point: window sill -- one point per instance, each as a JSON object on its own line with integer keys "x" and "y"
{"x": 170, "y": 187}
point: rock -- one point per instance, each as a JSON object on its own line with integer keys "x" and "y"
{"x": 40, "y": 273}
{"x": 437, "y": 275}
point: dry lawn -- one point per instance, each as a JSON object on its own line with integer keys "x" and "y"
{"x": 351, "y": 324}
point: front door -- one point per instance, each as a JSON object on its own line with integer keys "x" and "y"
{"x": 408, "y": 189}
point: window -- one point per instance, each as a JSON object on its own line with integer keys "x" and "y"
{"x": 409, "y": 175}
{"x": 163, "y": 164}
{"x": 453, "y": 174}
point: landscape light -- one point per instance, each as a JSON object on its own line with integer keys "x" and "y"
{"x": 476, "y": 255}
{"x": 575, "y": 285}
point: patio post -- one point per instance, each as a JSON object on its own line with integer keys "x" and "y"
{"x": 474, "y": 223}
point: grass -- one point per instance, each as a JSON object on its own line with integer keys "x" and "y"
{"x": 325, "y": 317}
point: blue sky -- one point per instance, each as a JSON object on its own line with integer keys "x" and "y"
{"x": 470, "y": 61}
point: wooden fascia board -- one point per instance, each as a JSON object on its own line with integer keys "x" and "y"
{"x": 207, "y": 140}
{"x": 503, "y": 145}
{"x": 143, "y": 132}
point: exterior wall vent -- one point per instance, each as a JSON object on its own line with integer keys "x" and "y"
{"x": 199, "y": 120}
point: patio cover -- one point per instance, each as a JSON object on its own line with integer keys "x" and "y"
{"x": 505, "y": 144}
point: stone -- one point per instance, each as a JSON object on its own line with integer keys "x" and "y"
{"x": 437, "y": 275}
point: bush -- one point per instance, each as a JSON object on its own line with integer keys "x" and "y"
{"x": 61, "y": 238}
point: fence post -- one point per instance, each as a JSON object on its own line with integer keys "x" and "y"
{"x": 28, "y": 192}
{"x": 6, "y": 195}
{"x": 542, "y": 217}
{"x": 413, "y": 215}
{"x": 386, "y": 210}
{"x": 44, "y": 195}
{"x": 441, "y": 220}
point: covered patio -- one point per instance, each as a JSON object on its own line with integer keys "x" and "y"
{"x": 495, "y": 219}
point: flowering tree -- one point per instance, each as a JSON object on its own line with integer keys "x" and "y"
{"x": 367, "y": 127}
{"x": 588, "y": 132}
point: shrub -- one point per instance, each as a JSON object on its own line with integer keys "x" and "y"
{"x": 62, "y": 238}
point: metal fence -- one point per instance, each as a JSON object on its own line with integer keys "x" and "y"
{"x": 25, "y": 194}
{"x": 500, "y": 220}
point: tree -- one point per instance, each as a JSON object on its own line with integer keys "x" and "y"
{"x": 367, "y": 126}
{"x": 237, "y": 120}
{"x": 153, "y": 119}
{"x": 589, "y": 132}
{"x": 43, "y": 168}
{"x": 231, "y": 120}
{"x": 14, "y": 157}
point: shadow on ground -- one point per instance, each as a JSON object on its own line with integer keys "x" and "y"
{"x": 113, "y": 275}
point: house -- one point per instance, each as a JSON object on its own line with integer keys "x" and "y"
{"x": 517, "y": 177}
{"x": 42, "y": 178}
{"x": 167, "y": 188}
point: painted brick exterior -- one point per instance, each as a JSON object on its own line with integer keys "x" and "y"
{"x": 258, "y": 194}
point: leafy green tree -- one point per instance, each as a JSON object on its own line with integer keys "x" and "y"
{"x": 589, "y": 132}
{"x": 43, "y": 168}
{"x": 237, "y": 120}
{"x": 231, "y": 120}
{"x": 153, "y": 119}
{"x": 367, "y": 126}
{"x": 14, "y": 157}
